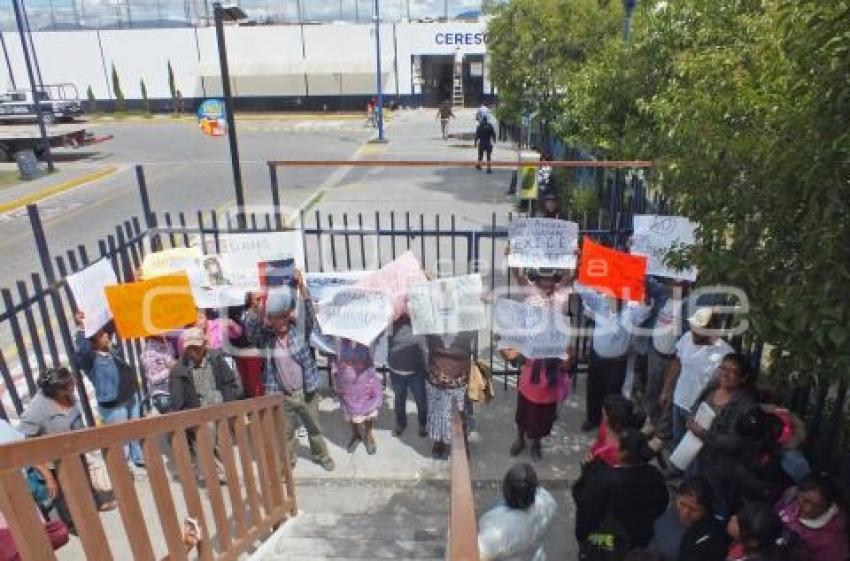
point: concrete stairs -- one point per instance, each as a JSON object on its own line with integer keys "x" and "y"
{"x": 365, "y": 522}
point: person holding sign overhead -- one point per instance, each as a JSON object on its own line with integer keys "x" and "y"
{"x": 543, "y": 381}
{"x": 116, "y": 385}
{"x": 282, "y": 333}
{"x": 614, "y": 324}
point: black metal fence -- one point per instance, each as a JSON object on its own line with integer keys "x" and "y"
{"x": 37, "y": 315}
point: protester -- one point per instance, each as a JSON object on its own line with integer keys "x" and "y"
{"x": 515, "y": 528}
{"x": 217, "y": 331}
{"x": 698, "y": 353}
{"x": 359, "y": 391}
{"x": 688, "y": 531}
{"x": 406, "y": 363}
{"x": 444, "y": 113}
{"x": 791, "y": 437}
{"x": 543, "y": 382}
{"x": 201, "y": 377}
{"x": 618, "y": 414}
{"x": 666, "y": 327}
{"x": 248, "y": 359}
{"x": 55, "y": 410}
{"x": 758, "y": 535}
{"x": 289, "y": 368}
{"x": 115, "y": 384}
{"x": 614, "y": 324}
{"x": 730, "y": 397}
{"x": 57, "y": 532}
{"x": 449, "y": 361}
{"x": 157, "y": 358}
{"x": 815, "y": 512}
{"x": 759, "y": 474}
{"x": 551, "y": 206}
{"x": 616, "y": 506}
{"x": 485, "y": 137}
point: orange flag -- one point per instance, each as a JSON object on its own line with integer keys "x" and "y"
{"x": 151, "y": 307}
{"x": 613, "y": 272}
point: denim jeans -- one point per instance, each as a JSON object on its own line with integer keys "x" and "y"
{"x": 125, "y": 412}
{"x": 680, "y": 419}
{"x": 401, "y": 383}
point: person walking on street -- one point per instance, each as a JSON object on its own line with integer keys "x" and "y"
{"x": 444, "y": 113}
{"x": 116, "y": 386}
{"x": 289, "y": 368}
{"x": 485, "y": 137}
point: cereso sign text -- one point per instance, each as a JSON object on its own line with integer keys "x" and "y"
{"x": 460, "y": 39}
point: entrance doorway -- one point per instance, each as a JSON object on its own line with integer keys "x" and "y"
{"x": 437, "y": 77}
{"x": 473, "y": 80}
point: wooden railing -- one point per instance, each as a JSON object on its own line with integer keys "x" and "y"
{"x": 260, "y": 490}
{"x": 463, "y": 526}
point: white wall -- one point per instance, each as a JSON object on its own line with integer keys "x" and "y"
{"x": 261, "y": 58}
{"x": 144, "y": 53}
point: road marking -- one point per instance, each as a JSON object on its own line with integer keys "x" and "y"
{"x": 59, "y": 188}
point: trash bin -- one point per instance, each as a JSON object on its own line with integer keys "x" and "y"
{"x": 27, "y": 164}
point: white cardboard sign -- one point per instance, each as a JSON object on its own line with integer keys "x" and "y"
{"x": 655, "y": 236}
{"x": 87, "y": 287}
{"x": 448, "y": 305}
{"x": 542, "y": 243}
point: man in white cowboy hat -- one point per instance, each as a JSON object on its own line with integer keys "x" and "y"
{"x": 698, "y": 354}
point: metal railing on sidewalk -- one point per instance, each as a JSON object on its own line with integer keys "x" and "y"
{"x": 462, "y": 542}
{"x": 249, "y": 443}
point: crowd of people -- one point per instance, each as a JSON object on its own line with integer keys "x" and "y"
{"x": 747, "y": 494}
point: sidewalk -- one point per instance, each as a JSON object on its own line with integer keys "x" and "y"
{"x": 66, "y": 177}
{"x": 469, "y": 194}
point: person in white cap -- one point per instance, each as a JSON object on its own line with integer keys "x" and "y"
{"x": 201, "y": 377}
{"x": 288, "y": 366}
{"x": 698, "y": 354}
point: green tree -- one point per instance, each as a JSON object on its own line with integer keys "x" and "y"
{"x": 120, "y": 102}
{"x": 172, "y": 87}
{"x": 536, "y": 45}
{"x": 743, "y": 104}
{"x": 92, "y": 100}
{"x": 145, "y": 100}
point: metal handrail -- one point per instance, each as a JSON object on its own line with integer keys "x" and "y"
{"x": 463, "y": 526}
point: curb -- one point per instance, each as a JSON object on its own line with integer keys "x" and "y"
{"x": 56, "y": 189}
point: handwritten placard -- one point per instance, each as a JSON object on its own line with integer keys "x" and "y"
{"x": 395, "y": 279}
{"x": 87, "y": 287}
{"x": 656, "y": 236}
{"x": 612, "y": 272}
{"x": 171, "y": 261}
{"x": 535, "y": 331}
{"x": 151, "y": 307}
{"x": 262, "y": 246}
{"x": 323, "y": 286}
{"x": 448, "y": 305}
{"x": 356, "y": 313}
{"x": 542, "y": 243}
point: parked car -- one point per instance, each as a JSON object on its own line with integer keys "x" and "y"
{"x": 59, "y": 102}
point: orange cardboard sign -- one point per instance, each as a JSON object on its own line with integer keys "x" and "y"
{"x": 613, "y": 272}
{"x": 151, "y": 307}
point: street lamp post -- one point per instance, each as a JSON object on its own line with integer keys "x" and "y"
{"x": 379, "y": 107}
{"x": 35, "y": 92}
{"x": 232, "y": 13}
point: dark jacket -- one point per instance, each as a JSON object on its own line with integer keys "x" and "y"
{"x": 635, "y": 496}
{"x": 722, "y": 452}
{"x": 706, "y": 540}
{"x": 485, "y": 134}
{"x": 182, "y": 387}
{"x": 113, "y": 379}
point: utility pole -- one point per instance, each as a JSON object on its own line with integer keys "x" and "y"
{"x": 19, "y": 19}
{"x": 379, "y": 107}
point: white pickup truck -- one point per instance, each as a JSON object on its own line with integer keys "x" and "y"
{"x": 59, "y": 102}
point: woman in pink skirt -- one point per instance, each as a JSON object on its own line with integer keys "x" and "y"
{"x": 359, "y": 390}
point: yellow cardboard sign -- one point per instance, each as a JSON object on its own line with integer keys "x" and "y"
{"x": 528, "y": 182}
{"x": 151, "y": 307}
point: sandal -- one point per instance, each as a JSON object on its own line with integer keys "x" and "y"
{"x": 107, "y": 506}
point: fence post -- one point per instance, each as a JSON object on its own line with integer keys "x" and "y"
{"x": 278, "y": 221}
{"x": 150, "y": 217}
{"x": 58, "y": 309}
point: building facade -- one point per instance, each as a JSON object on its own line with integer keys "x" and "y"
{"x": 309, "y": 66}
